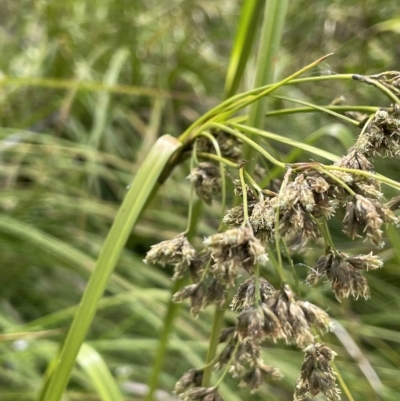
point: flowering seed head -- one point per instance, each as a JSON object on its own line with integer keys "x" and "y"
{"x": 238, "y": 190}
{"x": 201, "y": 394}
{"x": 234, "y": 217}
{"x": 317, "y": 376}
{"x": 215, "y": 294}
{"x": 194, "y": 292}
{"x": 382, "y": 136}
{"x": 297, "y": 317}
{"x": 250, "y": 325}
{"x": 297, "y": 192}
{"x": 245, "y": 294}
{"x": 344, "y": 273}
{"x": 191, "y": 378}
{"x": 257, "y": 375}
{"x": 177, "y": 252}
{"x": 297, "y": 226}
{"x": 206, "y": 178}
{"x": 232, "y": 250}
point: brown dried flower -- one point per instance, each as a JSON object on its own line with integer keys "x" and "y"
{"x": 194, "y": 292}
{"x": 296, "y": 317}
{"x": 367, "y": 215}
{"x": 234, "y": 249}
{"x": 191, "y": 378}
{"x": 234, "y": 217}
{"x": 344, "y": 273}
{"x": 257, "y": 375}
{"x": 215, "y": 294}
{"x": 317, "y": 376}
{"x": 298, "y": 226}
{"x": 230, "y": 146}
{"x": 382, "y": 136}
{"x": 201, "y": 394}
{"x": 238, "y": 190}
{"x": 245, "y": 294}
{"x": 177, "y": 252}
{"x": 207, "y": 181}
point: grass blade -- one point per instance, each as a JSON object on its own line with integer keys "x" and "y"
{"x": 143, "y": 185}
{"x": 96, "y": 369}
{"x": 243, "y": 43}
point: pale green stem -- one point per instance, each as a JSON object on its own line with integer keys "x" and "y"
{"x": 277, "y": 233}
{"x": 217, "y": 158}
{"x": 323, "y": 227}
{"x": 256, "y": 94}
{"x": 244, "y": 190}
{"x": 221, "y": 169}
{"x": 338, "y": 180}
{"x": 342, "y": 382}
{"x": 228, "y": 365}
{"x": 296, "y": 110}
{"x": 377, "y": 84}
{"x": 320, "y": 108}
{"x": 192, "y": 161}
{"x": 295, "y": 275}
{"x": 378, "y": 177}
{"x": 270, "y": 37}
{"x": 257, "y": 284}
{"x": 253, "y": 144}
{"x": 213, "y": 344}
{"x": 254, "y": 185}
{"x": 366, "y": 125}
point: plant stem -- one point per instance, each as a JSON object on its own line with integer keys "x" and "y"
{"x": 213, "y": 344}
{"x": 217, "y": 158}
{"x": 221, "y": 169}
{"x": 320, "y": 108}
{"x": 244, "y": 190}
{"x": 250, "y": 142}
{"x": 172, "y": 310}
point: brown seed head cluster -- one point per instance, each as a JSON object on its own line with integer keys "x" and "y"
{"x": 177, "y": 252}
{"x": 230, "y": 146}
{"x": 367, "y": 215}
{"x": 232, "y": 250}
{"x": 296, "y": 317}
{"x": 245, "y": 296}
{"x": 206, "y": 178}
{"x": 317, "y": 376}
{"x": 201, "y": 394}
{"x": 195, "y": 293}
{"x": 344, "y": 273}
{"x": 191, "y": 378}
{"x": 382, "y": 136}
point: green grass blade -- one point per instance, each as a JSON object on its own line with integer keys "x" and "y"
{"x": 96, "y": 369}
{"x": 143, "y": 185}
{"x": 271, "y": 33}
{"x": 251, "y": 10}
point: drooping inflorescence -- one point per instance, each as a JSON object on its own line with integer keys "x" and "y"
{"x": 293, "y": 214}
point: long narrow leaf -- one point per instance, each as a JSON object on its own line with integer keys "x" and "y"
{"x": 249, "y": 15}
{"x": 144, "y": 184}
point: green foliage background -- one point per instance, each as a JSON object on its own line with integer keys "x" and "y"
{"x": 86, "y": 89}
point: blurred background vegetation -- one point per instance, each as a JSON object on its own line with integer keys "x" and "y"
{"x": 86, "y": 89}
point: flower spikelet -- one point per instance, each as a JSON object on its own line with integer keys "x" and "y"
{"x": 344, "y": 273}
{"x": 193, "y": 292}
{"x": 246, "y": 293}
{"x": 206, "y": 178}
{"x": 317, "y": 376}
{"x": 296, "y": 317}
{"x": 177, "y": 252}
{"x": 367, "y": 215}
{"x": 234, "y": 249}
{"x": 201, "y": 394}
